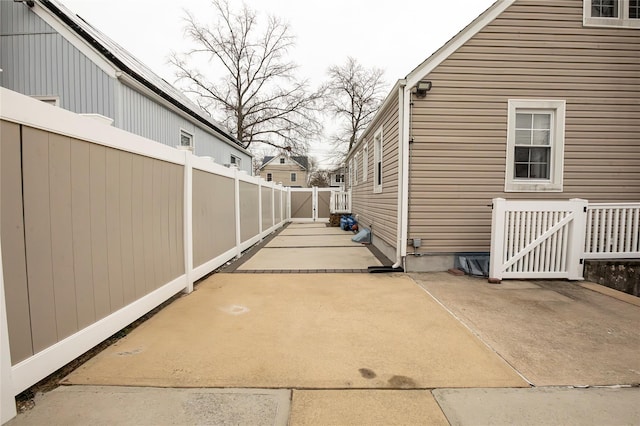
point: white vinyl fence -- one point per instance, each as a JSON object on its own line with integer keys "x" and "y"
{"x": 613, "y": 231}
{"x": 340, "y": 202}
{"x": 100, "y": 226}
{"x": 551, "y": 239}
{"x": 309, "y": 204}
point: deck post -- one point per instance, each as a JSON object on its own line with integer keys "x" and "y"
{"x": 188, "y": 220}
{"x": 497, "y": 239}
{"x": 260, "y": 207}
{"x": 236, "y": 199}
{"x": 575, "y": 252}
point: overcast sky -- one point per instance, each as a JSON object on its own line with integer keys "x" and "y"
{"x": 395, "y": 35}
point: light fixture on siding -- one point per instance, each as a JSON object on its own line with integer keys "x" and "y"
{"x": 421, "y": 89}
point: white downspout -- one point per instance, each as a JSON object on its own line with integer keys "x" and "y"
{"x": 404, "y": 98}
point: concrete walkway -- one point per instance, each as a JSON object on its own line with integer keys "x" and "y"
{"x": 341, "y": 348}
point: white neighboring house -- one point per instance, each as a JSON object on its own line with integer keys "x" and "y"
{"x": 336, "y": 178}
{"x": 50, "y": 53}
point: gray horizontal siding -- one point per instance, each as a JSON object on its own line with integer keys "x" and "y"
{"x": 534, "y": 50}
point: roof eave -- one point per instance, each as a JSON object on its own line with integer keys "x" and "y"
{"x": 484, "y": 19}
{"x": 144, "y": 82}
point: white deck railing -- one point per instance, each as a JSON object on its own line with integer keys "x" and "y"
{"x": 550, "y": 239}
{"x": 613, "y": 231}
{"x": 340, "y": 202}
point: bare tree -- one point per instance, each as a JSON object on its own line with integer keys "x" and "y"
{"x": 354, "y": 94}
{"x": 257, "y": 96}
{"x": 319, "y": 178}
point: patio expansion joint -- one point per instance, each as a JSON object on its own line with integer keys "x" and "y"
{"x": 476, "y": 334}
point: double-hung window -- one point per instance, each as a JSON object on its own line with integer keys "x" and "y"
{"x": 611, "y": 13}
{"x": 294, "y": 177}
{"x": 535, "y": 146}
{"x": 377, "y": 161}
{"x": 269, "y": 177}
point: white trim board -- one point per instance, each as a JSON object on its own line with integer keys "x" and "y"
{"x": 31, "y": 112}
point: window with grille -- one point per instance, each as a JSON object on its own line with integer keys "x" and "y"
{"x": 611, "y": 13}
{"x": 535, "y": 145}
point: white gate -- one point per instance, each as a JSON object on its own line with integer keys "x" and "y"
{"x": 537, "y": 239}
{"x": 309, "y": 204}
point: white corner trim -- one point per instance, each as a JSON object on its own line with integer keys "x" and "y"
{"x": 77, "y": 41}
{"x": 457, "y": 41}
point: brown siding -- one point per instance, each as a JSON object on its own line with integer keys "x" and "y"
{"x": 534, "y": 50}
{"x": 379, "y": 211}
{"x": 92, "y": 216}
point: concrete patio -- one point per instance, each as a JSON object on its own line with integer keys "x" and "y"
{"x": 344, "y": 348}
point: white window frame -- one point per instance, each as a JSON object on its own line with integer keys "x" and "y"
{"x": 293, "y": 177}
{"x": 350, "y": 172}
{"x": 282, "y": 160}
{"x": 622, "y": 20}
{"x": 269, "y": 177}
{"x": 355, "y": 168}
{"x": 187, "y": 133}
{"x": 554, "y": 183}
{"x": 234, "y": 159}
{"x": 378, "y": 157}
{"x": 365, "y": 162}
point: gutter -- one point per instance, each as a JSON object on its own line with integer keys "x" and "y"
{"x": 404, "y": 110}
